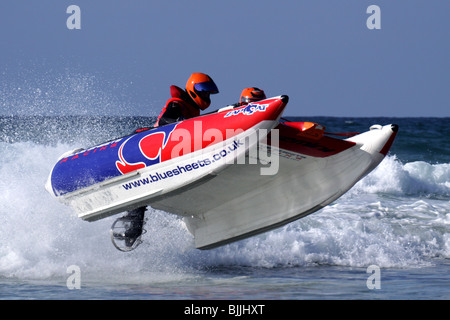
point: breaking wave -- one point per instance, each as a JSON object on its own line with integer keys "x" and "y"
{"x": 395, "y": 217}
{"x": 417, "y": 178}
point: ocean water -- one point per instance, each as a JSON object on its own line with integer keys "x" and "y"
{"x": 387, "y": 238}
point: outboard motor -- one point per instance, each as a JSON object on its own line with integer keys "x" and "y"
{"x": 126, "y": 231}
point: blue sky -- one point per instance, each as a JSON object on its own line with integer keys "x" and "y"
{"x": 319, "y": 52}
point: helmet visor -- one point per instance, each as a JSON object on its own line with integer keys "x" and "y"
{"x": 208, "y": 86}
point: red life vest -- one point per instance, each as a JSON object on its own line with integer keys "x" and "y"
{"x": 188, "y": 110}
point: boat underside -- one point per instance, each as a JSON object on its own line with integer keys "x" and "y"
{"x": 240, "y": 202}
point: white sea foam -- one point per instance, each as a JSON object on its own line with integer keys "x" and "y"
{"x": 395, "y": 217}
{"x": 411, "y": 179}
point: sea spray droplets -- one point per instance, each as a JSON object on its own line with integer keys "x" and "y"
{"x": 395, "y": 217}
{"x": 57, "y": 94}
{"x": 82, "y": 130}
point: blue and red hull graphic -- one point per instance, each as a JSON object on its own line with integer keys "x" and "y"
{"x": 147, "y": 148}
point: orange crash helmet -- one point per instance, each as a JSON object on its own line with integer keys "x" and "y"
{"x": 199, "y": 86}
{"x": 253, "y": 94}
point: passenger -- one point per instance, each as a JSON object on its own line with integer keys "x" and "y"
{"x": 182, "y": 105}
{"x": 185, "y": 104}
{"x": 252, "y": 94}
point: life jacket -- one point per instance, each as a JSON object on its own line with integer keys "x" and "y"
{"x": 178, "y": 95}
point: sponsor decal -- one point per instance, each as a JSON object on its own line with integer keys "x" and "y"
{"x": 138, "y": 152}
{"x": 93, "y": 150}
{"x": 248, "y": 110}
{"x": 180, "y": 169}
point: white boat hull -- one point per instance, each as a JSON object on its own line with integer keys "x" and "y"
{"x": 240, "y": 202}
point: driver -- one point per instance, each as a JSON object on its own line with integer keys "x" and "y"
{"x": 185, "y": 104}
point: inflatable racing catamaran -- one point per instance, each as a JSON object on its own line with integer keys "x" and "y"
{"x": 230, "y": 174}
